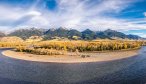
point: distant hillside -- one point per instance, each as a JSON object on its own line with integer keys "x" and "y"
{"x": 11, "y": 39}
{"x": 130, "y": 36}
{"x": 62, "y": 33}
{"x": 26, "y": 33}
{"x": 2, "y": 34}
{"x": 111, "y": 34}
{"x": 88, "y": 35}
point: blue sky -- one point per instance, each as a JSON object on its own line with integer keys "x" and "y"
{"x": 128, "y": 16}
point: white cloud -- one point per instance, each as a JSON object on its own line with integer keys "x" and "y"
{"x": 144, "y": 13}
{"x": 70, "y": 13}
{"x": 34, "y": 13}
{"x": 7, "y": 13}
{"x": 140, "y": 34}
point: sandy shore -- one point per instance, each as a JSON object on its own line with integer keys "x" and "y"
{"x": 94, "y": 57}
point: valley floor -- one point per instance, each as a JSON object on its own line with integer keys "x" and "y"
{"x": 71, "y": 58}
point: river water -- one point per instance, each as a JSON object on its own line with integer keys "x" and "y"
{"x": 124, "y": 71}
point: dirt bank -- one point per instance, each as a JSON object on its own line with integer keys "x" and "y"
{"x": 94, "y": 57}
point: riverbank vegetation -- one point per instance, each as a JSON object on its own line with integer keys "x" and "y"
{"x": 35, "y": 45}
{"x": 62, "y": 47}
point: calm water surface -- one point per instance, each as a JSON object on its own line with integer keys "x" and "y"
{"x": 125, "y": 71}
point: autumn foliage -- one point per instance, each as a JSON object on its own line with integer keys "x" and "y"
{"x": 62, "y": 47}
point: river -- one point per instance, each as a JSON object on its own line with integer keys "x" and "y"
{"x": 124, "y": 71}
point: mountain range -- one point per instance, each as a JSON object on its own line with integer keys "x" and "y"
{"x": 71, "y": 34}
{"x": 89, "y": 34}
